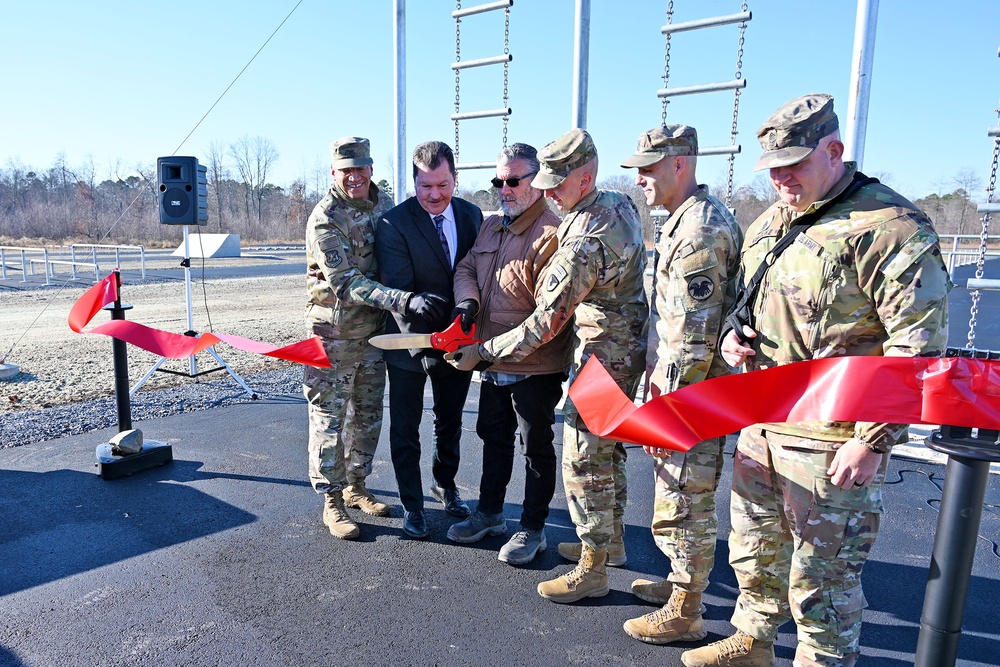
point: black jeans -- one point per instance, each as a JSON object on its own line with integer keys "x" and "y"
{"x": 406, "y": 405}
{"x": 528, "y": 405}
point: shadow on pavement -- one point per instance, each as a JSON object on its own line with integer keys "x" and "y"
{"x": 59, "y": 523}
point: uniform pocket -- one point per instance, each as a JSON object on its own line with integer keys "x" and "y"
{"x": 833, "y": 510}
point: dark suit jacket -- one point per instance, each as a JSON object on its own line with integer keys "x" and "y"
{"x": 410, "y": 257}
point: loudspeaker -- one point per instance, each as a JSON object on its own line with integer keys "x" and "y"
{"x": 182, "y": 191}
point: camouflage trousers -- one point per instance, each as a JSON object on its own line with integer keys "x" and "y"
{"x": 594, "y": 479}
{"x": 345, "y": 413}
{"x": 684, "y": 522}
{"x": 799, "y": 543}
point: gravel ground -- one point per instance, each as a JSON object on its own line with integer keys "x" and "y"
{"x": 66, "y": 383}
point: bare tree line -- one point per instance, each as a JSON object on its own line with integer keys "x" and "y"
{"x": 66, "y": 203}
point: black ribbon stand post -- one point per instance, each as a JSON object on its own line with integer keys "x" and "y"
{"x": 112, "y": 462}
{"x": 970, "y": 452}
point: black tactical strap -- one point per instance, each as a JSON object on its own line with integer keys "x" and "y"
{"x": 741, "y": 312}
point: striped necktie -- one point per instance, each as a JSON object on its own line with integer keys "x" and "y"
{"x": 439, "y": 223}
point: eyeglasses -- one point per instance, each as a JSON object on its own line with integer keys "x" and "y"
{"x": 511, "y": 182}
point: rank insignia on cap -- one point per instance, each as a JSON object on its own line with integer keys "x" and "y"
{"x": 701, "y": 287}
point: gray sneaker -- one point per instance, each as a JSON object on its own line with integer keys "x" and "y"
{"x": 522, "y": 547}
{"x": 476, "y": 527}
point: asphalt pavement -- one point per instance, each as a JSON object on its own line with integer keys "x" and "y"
{"x": 221, "y": 558}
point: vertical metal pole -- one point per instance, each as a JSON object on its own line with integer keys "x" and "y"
{"x": 951, "y": 564}
{"x": 861, "y": 80}
{"x": 581, "y": 63}
{"x": 399, "y": 85}
{"x": 192, "y": 363}
{"x": 120, "y": 356}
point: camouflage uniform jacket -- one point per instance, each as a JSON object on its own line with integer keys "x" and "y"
{"x": 697, "y": 262}
{"x": 345, "y": 299}
{"x": 502, "y": 273}
{"x": 866, "y": 279}
{"x": 596, "y": 275}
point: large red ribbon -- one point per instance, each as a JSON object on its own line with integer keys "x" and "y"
{"x": 176, "y": 346}
{"x": 901, "y": 390}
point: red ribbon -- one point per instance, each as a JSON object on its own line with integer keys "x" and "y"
{"x": 176, "y": 346}
{"x": 901, "y": 390}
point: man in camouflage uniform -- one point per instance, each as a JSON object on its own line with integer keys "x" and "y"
{"x": 865, "y": 279}
{"x": 595, "y": 275}
{"x": 346, "y": 307}
{"x": 697, "y": 261}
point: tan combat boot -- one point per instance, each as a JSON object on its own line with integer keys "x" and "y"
{"x": 740, "y": 650}
{"x": 616, "y": 549}
{"x": 337, "y": 519}
{"x": 679, "y": 621}
{"x": 356, "y": 495}
{"x": 588, "y": 579}
{"x": 657, "y": 592}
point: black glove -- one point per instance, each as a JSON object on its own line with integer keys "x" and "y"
{"x": 427, "y": 305}
{"x": 468, "y": 310}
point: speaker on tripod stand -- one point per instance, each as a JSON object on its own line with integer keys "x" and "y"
{"x": 182, "y": 199}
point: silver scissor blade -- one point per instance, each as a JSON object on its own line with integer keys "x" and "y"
{"x": 401, "y": 341}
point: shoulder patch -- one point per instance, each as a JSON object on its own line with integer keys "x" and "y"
{"x": 333, "y": 258}
{"x": 701, "y": 287}
{"x": 557, "y": 276}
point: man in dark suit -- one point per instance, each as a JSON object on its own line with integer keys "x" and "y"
{"x": 418, "y": 243}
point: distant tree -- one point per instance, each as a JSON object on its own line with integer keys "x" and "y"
{"x": 254, "y": 157}
{"x": 217, "y": 173}
{"x": 625, "y": 184}
{"x": 953, "y": 213}
{"x": 752, "y": 199}
{"x": 487, "y": 200}
{"x": 385, "y": 187}
{"x": 968, "y": 183}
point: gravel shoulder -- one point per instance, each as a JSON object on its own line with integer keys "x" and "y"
{"x": 66, "y": 383}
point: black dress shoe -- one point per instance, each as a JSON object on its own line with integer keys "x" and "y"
{"x": 415, "y": 525}
{"x": 453, "y": 503}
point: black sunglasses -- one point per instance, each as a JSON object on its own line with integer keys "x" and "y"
{"x": 511, "y": 182}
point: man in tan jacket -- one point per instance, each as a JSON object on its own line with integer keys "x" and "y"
{"x": 495, "y": 286}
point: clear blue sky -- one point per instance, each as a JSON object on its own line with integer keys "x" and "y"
{"x": 116, "y": 82}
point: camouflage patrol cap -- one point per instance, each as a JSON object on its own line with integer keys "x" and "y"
{"x": 350, "y": 152}
{"x": 792, "y": 132}
{"x": 660, "y": 142}
{"x": 557, "y": 159}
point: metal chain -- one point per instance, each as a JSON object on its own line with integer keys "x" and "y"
{"x": 983, "y": 240}
{"x": 506, "y": 67}
{"x": 458, "y": 58}
{"x": 666, "y": 63}
{"x": 736, "y": 110}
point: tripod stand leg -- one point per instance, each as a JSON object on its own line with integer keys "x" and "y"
{"x": 229, "y": 370}
{"x": 146, "y": 376}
